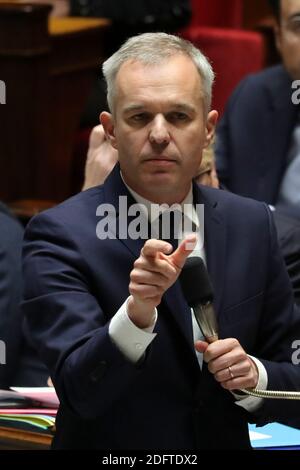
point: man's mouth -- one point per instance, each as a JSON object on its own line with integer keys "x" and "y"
{"x": 160, "y": 161}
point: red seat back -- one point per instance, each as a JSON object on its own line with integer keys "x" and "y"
{"x": 233, "y": 54}
{"x": 218, "y": 13}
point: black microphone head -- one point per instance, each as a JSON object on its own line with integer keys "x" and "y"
{"x": 195, "y": 282}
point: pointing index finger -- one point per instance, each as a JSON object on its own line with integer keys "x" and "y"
{"x": 184, "y": 249}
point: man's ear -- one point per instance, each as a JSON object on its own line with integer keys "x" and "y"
{"x": 107, "y": 121}
{"x": 210, "y": 127}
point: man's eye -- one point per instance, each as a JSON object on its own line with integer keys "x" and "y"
{"x": 139, "y": 117}
{"x": 294, "y": 26}
{"x": 178, "y": 117}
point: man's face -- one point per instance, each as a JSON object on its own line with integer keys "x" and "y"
{"x": 288, "y": 36}
{"x": 159, "y": 127}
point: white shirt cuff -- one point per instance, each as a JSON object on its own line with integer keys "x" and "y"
{"x": 248, "y": 402}
{"x": 130, "y": 340}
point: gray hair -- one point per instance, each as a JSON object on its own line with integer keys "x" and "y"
{"x": 152, "y": 49}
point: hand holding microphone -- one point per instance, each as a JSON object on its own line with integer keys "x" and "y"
{"x": 226, "y": 358}
{"x": 229, "y": 363}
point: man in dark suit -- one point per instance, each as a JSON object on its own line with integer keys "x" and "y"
{"x": 254, "y": 135}
{"x": 102, "y": 299}
{"x": 257, "y": 136}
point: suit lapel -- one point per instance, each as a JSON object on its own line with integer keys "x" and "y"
{"x": 116, "y": 193}
{"x": 181, "y": 312}
{"x": 215, "y": 248}
{"x": 215, "y": 235}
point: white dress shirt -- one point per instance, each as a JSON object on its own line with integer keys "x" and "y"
{"x": 133, "y": 341}
{"x": 289, "y": 191}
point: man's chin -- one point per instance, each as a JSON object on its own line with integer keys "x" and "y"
{"x": 162, "y": 180}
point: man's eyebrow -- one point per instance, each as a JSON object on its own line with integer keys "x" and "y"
{"x": 183, "y": 107}
{"x": 134, "y": 108}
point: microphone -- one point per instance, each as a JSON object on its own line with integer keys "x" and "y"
{"x": 197, "y": 290}
{"x": 198, "y": 293}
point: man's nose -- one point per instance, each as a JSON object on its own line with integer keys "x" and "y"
{"x": 159, "y": 133}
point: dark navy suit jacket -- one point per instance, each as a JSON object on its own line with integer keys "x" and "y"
{"x": 254, "y": 135}
{"x": 75, "y": 283}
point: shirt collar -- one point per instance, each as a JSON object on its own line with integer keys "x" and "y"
{"x": 189, "y": 209}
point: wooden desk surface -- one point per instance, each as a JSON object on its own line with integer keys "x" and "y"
{"x": 75, "y": 25}
{"x": 17, "y": 439}
{"x": 68, "y": 24}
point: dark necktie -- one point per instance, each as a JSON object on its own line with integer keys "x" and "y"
{"x": 170, "y": 226}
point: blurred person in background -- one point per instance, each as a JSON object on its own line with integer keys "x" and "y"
{"x": 11, "y": 236}
{"x": 21, "y": 366}
{"x": 258, "y": 138}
